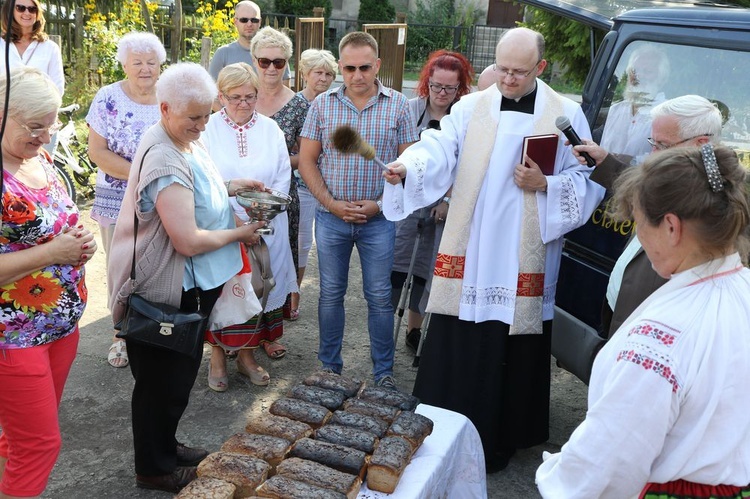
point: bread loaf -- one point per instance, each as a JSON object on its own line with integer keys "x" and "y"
{"x": 336, "y": 456}
{"x": 278, "y": 426}
{"x": 348, "y": 437}
{"x": 313, "y": 414}
{"x": 279, "y": 487}
{"x": 385, "y": 412}
{"x": 413, "y": 427}
{"x": 376, "y": 426}
{"x": 320, "y": 475}
{"x": 386, "y": 396}
{"x": 270, "y": 449}
{"x": 207, "y": 488}
{"x": 245, "y": 472}
{"x": 388, "y": 463}
{"x": 348, "y": 386}
{"x": 330, "y": 399}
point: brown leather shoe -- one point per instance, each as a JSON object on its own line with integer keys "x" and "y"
{"x": 174, "y": 482}
{"x": 189, "y": 456}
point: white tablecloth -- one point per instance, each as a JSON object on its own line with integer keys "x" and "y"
{"x": 448, "y": 464}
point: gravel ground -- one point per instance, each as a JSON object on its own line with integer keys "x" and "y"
{"x": 97, "y": 460}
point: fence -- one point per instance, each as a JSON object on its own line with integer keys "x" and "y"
{"x": 477, "y": 42}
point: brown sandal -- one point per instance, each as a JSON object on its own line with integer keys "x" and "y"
{"x": 274, "y": 350}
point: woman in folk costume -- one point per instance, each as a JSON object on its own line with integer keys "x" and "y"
{"x": 487, "y": 354}
{"x": 668, "y": 405}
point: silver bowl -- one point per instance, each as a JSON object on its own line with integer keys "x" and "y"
{"x": 263, "y": 206}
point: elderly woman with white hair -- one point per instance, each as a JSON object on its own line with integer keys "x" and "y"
{"x": 271, "y": 51}
{"x": 318, "y": 69}
{"x": 186, "y": 249}
{"x": 119, "y": 115}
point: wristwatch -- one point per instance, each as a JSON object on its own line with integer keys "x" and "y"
{"x": 447, "y": 200}
{"x": 380, "y": 205}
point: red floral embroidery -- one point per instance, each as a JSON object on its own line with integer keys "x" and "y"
{"x": 660, "y": 335}
{"x": 650, "y": 364}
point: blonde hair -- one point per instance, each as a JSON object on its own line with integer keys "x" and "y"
{"x": 315, "y": 58}
{"x": 270, "y": 38}
{"x": 32, "y": 93}
{"x": 235, "y": 75}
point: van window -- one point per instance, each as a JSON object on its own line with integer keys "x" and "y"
{"x": 650, "y": 72}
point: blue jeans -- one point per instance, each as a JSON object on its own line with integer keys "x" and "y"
{"x": 374, "y": 240}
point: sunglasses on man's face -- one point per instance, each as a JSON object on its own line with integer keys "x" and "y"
{"x": 265, "y": 63}
{"x": 362, "y": 69}
{"x": 33, "y": 9}
{"x": 244, "y": 20}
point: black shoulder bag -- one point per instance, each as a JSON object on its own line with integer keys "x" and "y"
{"x": 158, "y": 324}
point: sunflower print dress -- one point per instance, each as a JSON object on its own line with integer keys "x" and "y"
{"x": 45, "y": 305}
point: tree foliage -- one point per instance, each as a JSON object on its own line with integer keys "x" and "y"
{"x": 302, "y": 8}
{"x": 381, "y": 11}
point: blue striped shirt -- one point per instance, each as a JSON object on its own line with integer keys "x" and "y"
{"x": 385, "y": 123}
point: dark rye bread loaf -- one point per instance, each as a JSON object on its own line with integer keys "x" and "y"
{"x": 280, "y": 487}
{"x": 386, "y": 396}
{"x": 270, "y": 449}
{"x": 207, "y": 488}
{"x": 330, "y": 399}
{"x": 388, "y": 464}
{"x": 376, "y": 426}
{"x": 347, "y": 436}
{"x": 320, "y": 475}
{"x": 245, "y": 472}
{"x": 313, "y": 414}
{"x": 411, "y": 426}
{"x": 338, "y": 457}
{"x": 330, "y": 381}
{"x": 278, "y": 426}
{"x": 385, "y": 412}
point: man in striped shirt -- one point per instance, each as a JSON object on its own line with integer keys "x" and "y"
{"x": 349, "y": 189}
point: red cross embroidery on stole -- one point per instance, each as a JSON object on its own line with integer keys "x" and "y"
{"x": 450, "y": 266}
{"x": 530, "y": 285}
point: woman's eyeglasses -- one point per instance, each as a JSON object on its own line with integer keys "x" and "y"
{"x": 236, "y": 99}
{"x": 449, "y": 90}
{"x": 33, "y": 9}
{"x": 265, "y": 63}
{"x": 37, "y": 132}
{"x": 245, "y": 20}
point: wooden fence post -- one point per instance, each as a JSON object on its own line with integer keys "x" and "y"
{"x": 205, "y": 51}
{"x": 146, "y": 16}
{"x": 79, "y": 27}
{"x": 176, "y": 31}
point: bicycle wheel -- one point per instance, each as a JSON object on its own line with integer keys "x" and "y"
{"x": 64, "y": 177}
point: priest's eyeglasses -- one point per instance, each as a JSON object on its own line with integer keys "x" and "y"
{"x": 515, "y": 73}
{"x": 448, "y": 89}
{"x": 661, "y": 146}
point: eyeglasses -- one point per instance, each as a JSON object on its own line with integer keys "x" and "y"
{"x": 33, "y": 9}
{"x": 514, "y": 73}
{"x": 265, "y": 63}
{"x": 236, "y": 99}
{"x": 36, "y": 132}
{"x": 449, "y": 90}
{"x": 365, "y": 68}
{"x": 244, "y": 20}
{"x": 660, "y": 146}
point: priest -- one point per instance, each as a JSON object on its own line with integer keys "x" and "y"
{"x": 487, "y": 353}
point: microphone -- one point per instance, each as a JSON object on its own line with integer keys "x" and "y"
{"x": 563, "y": 124}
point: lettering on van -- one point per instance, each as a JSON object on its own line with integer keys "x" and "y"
{"x": 602, "y": 216}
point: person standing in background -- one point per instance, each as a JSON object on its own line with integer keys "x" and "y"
{"x": 318, "y": 69}
{"x": 119, "y": 115}
{"x": 444, "y": 79}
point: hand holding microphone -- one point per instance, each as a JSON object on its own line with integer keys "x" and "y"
{"x": 563, "y": 124}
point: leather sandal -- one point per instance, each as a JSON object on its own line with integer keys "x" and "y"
{"x": 274, "y": 350}
{"x": 118, "y": 352}
{"x": 258, "y": 376}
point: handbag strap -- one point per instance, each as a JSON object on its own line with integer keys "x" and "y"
{"x": 135, "y": 238}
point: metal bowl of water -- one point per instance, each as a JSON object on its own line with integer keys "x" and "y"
{"x": 263, "y": 206}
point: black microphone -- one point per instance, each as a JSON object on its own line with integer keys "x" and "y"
{"x": 563, "y": 124}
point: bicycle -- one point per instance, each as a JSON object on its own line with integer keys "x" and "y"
{"x": 71, "y": 158}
